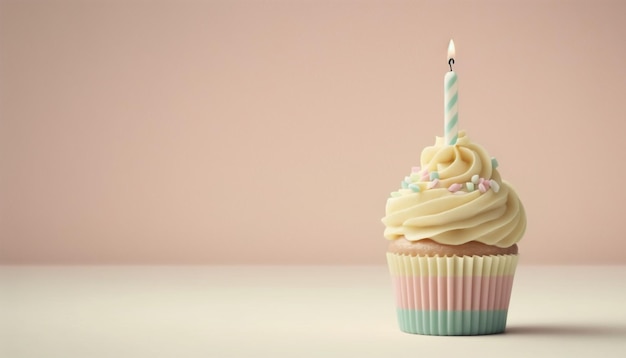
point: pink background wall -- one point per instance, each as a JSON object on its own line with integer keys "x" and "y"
{"x": 273, "y": 131}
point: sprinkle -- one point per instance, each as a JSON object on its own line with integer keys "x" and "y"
{"x": 494, "y": 186}
{"x": 475, "y": 178}
{"x": 407, "y": 179}
{"x": 494, "y": 163}
{"x": 482, "y": 188}
{"x": 486, "y": 184}
{"x": 415, "y": 169}
{"x": 470, "y": 186}
{"x": 434, "y": 175}
{"x": 433, "y": 184}
{"x": 482, "y": 180}
{"x": 415, "y": 177}
{"x": 404, "y": 184}
{"x": 455, "y": 187}
{"x": 395, "y": 194}
{"x": 415, "y": 188}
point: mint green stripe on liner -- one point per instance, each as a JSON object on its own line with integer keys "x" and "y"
{"x": 451, "y": 82}
{"x": 452, "y": 101}
{"x": 452, "y": 323}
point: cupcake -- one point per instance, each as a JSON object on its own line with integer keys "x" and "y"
{"x": 453, "y": 229}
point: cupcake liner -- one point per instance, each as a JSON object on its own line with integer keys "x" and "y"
{"x": 458, "y": 295}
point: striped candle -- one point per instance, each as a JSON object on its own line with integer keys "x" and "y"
{"x": 451, "y": 96}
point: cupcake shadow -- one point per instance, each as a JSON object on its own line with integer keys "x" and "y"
{"x": 567, "y": 330}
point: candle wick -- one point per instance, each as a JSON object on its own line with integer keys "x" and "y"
{"x": 451, "y": 62}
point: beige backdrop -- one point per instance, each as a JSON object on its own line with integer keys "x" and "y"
{"x": 273, "y": 131}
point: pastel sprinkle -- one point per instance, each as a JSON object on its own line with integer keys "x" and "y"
{"x": 425, "y": 177}
{"x": 415, "y": 188}
{"x": 494, "y": 186}
{"x": 433, "y": 183}
{"x": 475, "y": 179}
{"x": 486, "y": 184}
{"x": 395, "y": 194}
{"x": 404, "y": 185}
{"x": 455, "y": 187}
{"x": 407, "y": 179}
{"x": 482, "y": 180}
{"x": 470, "y": 186}
{"x": 415, "y": 169}
{"x": 482, "y": 188}
{"x": 415, "y": 177}
{"x": 494, "y": 163}
{"x": 434, "y": 175}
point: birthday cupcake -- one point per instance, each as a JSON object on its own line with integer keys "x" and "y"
{"x": 453, "y": 229}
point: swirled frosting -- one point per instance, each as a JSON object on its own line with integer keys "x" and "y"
{"x": 456, "y": 196}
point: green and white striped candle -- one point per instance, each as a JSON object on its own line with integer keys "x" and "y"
{"x": 451, "y": 97}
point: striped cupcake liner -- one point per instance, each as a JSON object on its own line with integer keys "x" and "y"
{"x": 443, "y": 296}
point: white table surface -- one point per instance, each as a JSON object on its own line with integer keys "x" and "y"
{"x": 287, "y": 311}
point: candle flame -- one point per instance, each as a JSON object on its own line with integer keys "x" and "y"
{"x": 451, "y": 51}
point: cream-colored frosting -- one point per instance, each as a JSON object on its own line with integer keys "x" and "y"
{"x": 493, "y": 217}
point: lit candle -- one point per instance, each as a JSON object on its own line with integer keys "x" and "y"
{"x": 450, "y": 98}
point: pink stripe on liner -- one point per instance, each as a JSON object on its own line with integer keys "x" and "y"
{"x": 453, "y": 293}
